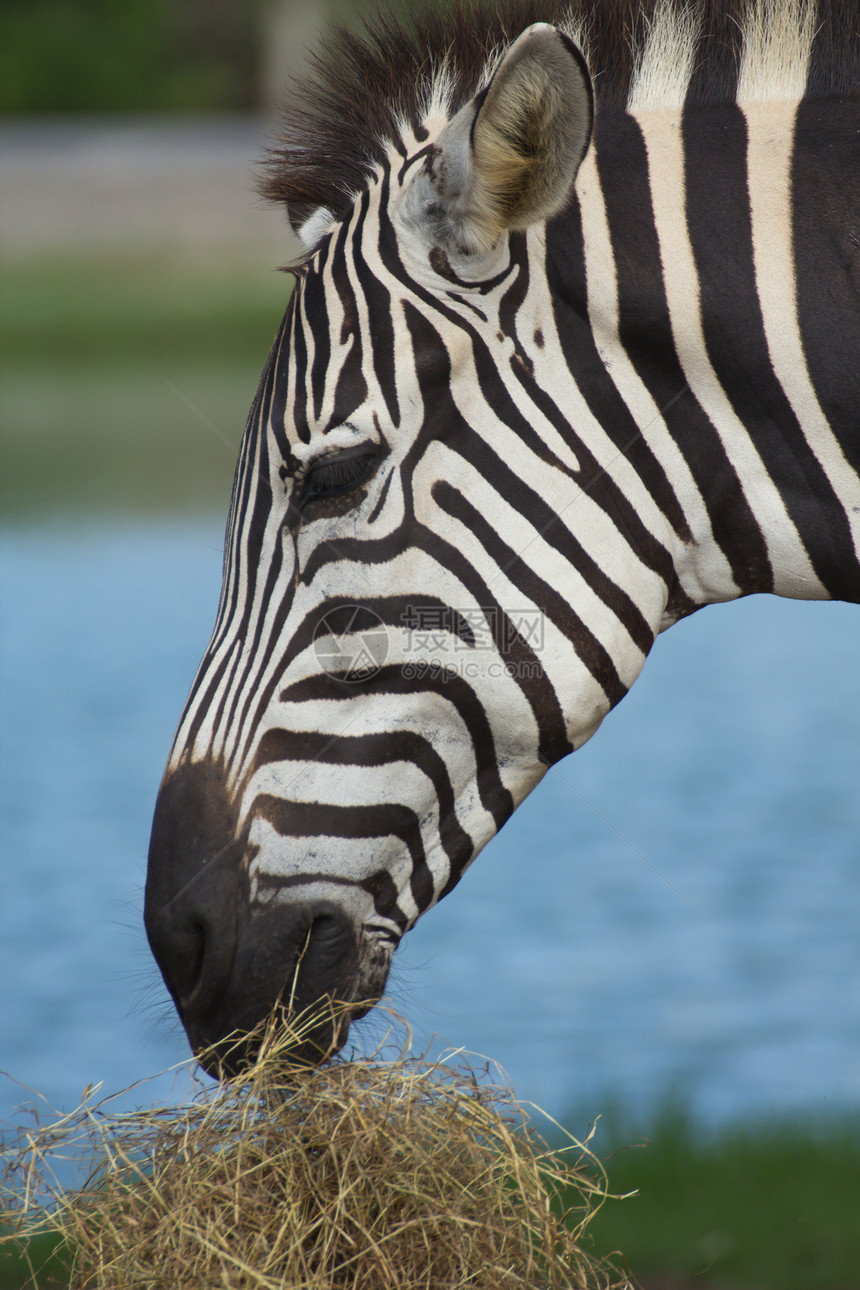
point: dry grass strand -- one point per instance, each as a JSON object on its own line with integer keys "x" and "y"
{"x": 355, "y": 1175}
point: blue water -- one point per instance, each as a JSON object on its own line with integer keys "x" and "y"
{"x": 567, "y": 953}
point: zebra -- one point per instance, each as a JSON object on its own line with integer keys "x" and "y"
{"x": 573, "y": 350}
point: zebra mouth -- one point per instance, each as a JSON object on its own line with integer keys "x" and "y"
{"x": 333, "y": 978}
{"x": 373, "y": 968}
{"x": 229, "y": 959}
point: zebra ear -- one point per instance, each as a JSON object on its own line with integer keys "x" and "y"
{"x": 509, "y": 158}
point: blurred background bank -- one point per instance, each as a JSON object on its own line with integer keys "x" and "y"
{"x": 134, "y": 250}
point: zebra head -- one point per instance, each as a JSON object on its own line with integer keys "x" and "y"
{"x": 392, "y": 669}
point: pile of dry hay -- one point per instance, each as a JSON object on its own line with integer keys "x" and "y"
{"x": 362, "y": 1174}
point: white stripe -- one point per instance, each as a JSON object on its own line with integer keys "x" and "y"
{"x": 666, "y": 61}
{"x": 777, "y": 45}
{"x": 792, "y": 570}
{"x": 770, "y": 149}
{"x": 703, "y": 570}
{"x": 228, "y": 645}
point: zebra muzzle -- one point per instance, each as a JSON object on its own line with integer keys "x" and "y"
{"x": 227, "y": 960}
{"x": 301, "y": 959}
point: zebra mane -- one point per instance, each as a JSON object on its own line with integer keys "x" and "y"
{"x": 363, "y": 88}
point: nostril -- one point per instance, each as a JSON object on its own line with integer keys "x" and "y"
{"x": 328, "y": 927}
{"x": 329, "y": 938}
{"x": 185, "y": 968}
{"x": 196, "y": 952}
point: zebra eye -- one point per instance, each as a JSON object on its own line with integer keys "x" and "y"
{"x": 336, "y": 474}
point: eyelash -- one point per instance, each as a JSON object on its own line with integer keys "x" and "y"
{"x": 334, "y": 475}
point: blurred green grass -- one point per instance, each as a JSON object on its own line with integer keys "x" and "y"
{"x": 758, "y": 1206}
{"x": 43, "y": 1267}
{"x": 90, "y": 351}
{"x": 141, "y": 55}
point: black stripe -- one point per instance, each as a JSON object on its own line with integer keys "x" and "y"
{"x": 826, "y": 200}
{"x": 351, "y": 387}
{"x": 435, "y": 379}
{"x": 565, "y": 269}
{"x": 646, "y": 334}
{"x": 253, "y": 527}
{"x": 296, "y": 357}
{"x": 721, "y": 239}
{"x": 259, "y": 655}
{"x": 392, "y": 610}
{"x": 397, "y": 611}
{"x": 592, "y": 653}
{"x": 554, "y": 742}
{"x": 258, "y": 414}
{"x": 495, "y": 798}
{"x": 314, "y": 819}
{"x": 591, "y": 476}
{"x": 375, "y": 750}
{"x": 379, "y": 886}
{"x": 379, "y": 312}
{"x": 315, "y": 314}
{"x": 489, "y": 379}
{"x": 383, "y": 493}
{"x": 279, "y": 360}
{"x": 249, "y": 488}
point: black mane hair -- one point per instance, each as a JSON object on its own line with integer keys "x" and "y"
{"x": 339, "y": 117}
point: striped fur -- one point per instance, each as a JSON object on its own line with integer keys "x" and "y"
{"x": 646, "y": 404}
{"x": 368, "y": 90}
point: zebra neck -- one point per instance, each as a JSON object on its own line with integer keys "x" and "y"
{"x": 711, "y": 253}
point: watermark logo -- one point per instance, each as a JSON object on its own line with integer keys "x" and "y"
{"x": 351, "y": 643}
{"x": 431, "y": 642}
{"x": 443, "y": 629}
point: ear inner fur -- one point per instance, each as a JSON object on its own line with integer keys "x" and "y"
{"x": 509, "y": 157}
{"x": 530, "y": 133}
